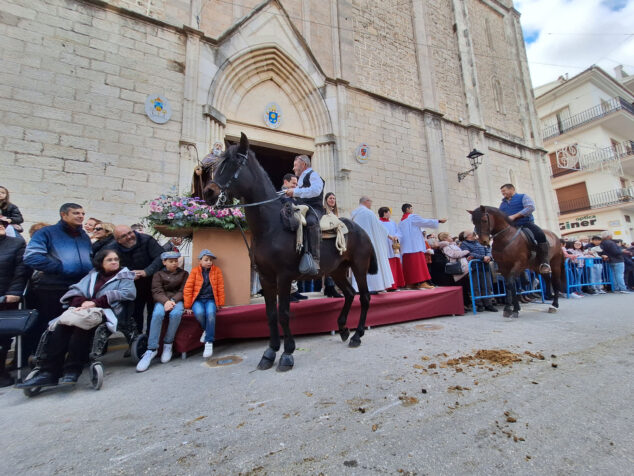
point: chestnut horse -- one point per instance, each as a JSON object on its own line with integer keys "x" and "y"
{"x": 239, "y": 173}
{"x": 512, "y": 252}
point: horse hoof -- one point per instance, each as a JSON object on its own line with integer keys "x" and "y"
{"x": 286, "y": 363}
{"x": 507, "y": 313}
{"x": 344, "y": 334}
{"x": 354, "y": 342}
{"x": 515, "y": 315}
{"x": 267, "y": 360}
{"x": 552, "y": 310}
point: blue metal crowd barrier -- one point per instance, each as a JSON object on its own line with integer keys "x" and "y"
{"x": 582, "y": 272}
{"x": 485, "y": 284}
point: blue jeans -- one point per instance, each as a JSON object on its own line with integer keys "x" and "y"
{"x": 205, "y": 313}
{"x": 157, "y": 323}
{"x": 617, "y": 272}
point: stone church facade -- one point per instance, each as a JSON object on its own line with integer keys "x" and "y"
{"x": 420, "y": 84}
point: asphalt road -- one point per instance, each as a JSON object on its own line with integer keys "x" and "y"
{"x": 380, "y": 409}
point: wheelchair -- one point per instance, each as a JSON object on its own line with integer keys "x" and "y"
{"x": 99, "y": 346}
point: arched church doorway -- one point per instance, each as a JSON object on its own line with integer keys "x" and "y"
{"x": 277, "y": 162}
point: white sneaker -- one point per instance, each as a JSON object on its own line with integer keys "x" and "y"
{"x": 202, "y": 337}
{"x": 209, "y": 350}
{"x": 575, "y": 296}
{"x": 145, "y": 361}
{"x": 166, "y": 356}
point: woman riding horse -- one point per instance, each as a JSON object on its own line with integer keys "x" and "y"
{"x": 274, "y": 249}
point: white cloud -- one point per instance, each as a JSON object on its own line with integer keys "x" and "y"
{"x": 568, "y": 36}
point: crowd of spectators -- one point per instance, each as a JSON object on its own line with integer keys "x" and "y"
{"x": 82, "y": 264}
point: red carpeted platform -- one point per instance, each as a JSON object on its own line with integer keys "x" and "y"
{"x": 320, "y": 315}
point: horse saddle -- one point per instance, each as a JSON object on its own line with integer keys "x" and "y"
{"x": 330, "y": 224}
{"x": 530, "y": 237}
{"x": 532, "y": 242}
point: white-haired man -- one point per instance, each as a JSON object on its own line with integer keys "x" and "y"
{"x": 310, "y": 191}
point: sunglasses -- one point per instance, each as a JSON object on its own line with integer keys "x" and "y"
{"x": 97, "y": 229}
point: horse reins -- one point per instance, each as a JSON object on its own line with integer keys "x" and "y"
{"x": 501, "y": 231}
{"x": 222, "y": 199}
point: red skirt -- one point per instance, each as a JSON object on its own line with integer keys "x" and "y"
{"x": 415, "y": 268}
{"x": 397, "y": 273}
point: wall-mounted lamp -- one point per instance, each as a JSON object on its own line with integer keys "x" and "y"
{"x": 475, "y": 159}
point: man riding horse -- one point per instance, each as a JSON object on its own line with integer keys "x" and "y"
{"x": 519, "y": 208}
{"x": 310, "y": 191}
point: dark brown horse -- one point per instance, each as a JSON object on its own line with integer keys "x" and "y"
{"x": 238, "y": 173}
{"x": 512, "y": 252}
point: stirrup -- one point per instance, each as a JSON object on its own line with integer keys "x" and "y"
{"x": 544, "y": 268}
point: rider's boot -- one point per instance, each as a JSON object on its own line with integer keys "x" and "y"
{"x": 542, "y": 257}
{"x": 314, "y": 238}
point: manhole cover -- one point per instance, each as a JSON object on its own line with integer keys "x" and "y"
{"x": 224, "y": 361}
{"x": 428, "y": 327}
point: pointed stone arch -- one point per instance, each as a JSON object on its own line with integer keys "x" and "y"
{"x": 253, "y": 66}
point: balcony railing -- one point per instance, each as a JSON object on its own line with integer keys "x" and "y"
{"x": 606, "y": 156}
{"x": 598, "y": 200}
{"x": 577, "y": 120}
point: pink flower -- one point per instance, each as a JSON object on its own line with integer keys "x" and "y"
{"x": 204, "y": 216}
{"x": 159, "y": 209}
{"x": 170, "y": 215}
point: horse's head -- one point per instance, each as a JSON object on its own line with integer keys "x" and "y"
{"x": 489, "y": 222}
{"x": 224, "y": 178}
{"x": 483, "y": 226}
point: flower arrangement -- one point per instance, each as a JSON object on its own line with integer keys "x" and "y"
{"x": 191, "y": 212}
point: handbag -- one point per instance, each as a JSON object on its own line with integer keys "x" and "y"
{"x": 84, "y": 318}
{"x": 16, "y": 322}
{"x": 453, "y": 267}
{"x": 307, "y": 265}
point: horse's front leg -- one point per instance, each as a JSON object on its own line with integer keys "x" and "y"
{"x": 284, "y": 290}
{"x": 269, "y": 289}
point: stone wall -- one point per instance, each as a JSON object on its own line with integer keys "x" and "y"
{"x": 446, "y": 59}
{"x": 74, "y": 82}
{"x": 496, "y": 67}
{"x": 398, "y": 168}
{"x": 384, "y": 50}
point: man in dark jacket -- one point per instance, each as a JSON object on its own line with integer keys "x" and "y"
{"x": 141, "y": 254}
{"x": 61, "y": 254}
{"x": 13, "y": 276}
{"x": 613, "y": 253}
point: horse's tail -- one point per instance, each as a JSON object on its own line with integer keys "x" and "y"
{"x": 374, "y": 264}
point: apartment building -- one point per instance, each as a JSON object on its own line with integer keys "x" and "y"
{"x": 587, "y": 126}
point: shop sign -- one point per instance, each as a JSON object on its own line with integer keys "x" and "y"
{"x": 158, "y": 109}
{"x": 579, "y": 222}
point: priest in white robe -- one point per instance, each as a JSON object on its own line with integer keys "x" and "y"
{"x": 413, "y": 247}
{"x": 366, "y": 219}
{"x": 394, "y": 235}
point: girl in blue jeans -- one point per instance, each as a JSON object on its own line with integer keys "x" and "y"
{"x": 167, "y": 292}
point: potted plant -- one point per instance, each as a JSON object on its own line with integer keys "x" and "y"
{"x": 173, "y": 215}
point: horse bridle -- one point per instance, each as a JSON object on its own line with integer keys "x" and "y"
{"x": 221, "y": 202}
{"x": 486, "y": 214}
{"x": 222, "y": 198}
{"x": 507, "y": 227}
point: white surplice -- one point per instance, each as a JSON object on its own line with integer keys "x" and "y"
{"x": 366, "y": 219}
{"x": 411, "y": 229}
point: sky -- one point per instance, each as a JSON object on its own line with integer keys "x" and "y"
{"x": 568, "y": 36}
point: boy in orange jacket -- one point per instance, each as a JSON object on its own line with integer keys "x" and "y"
{"x": 204, "y": 293}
